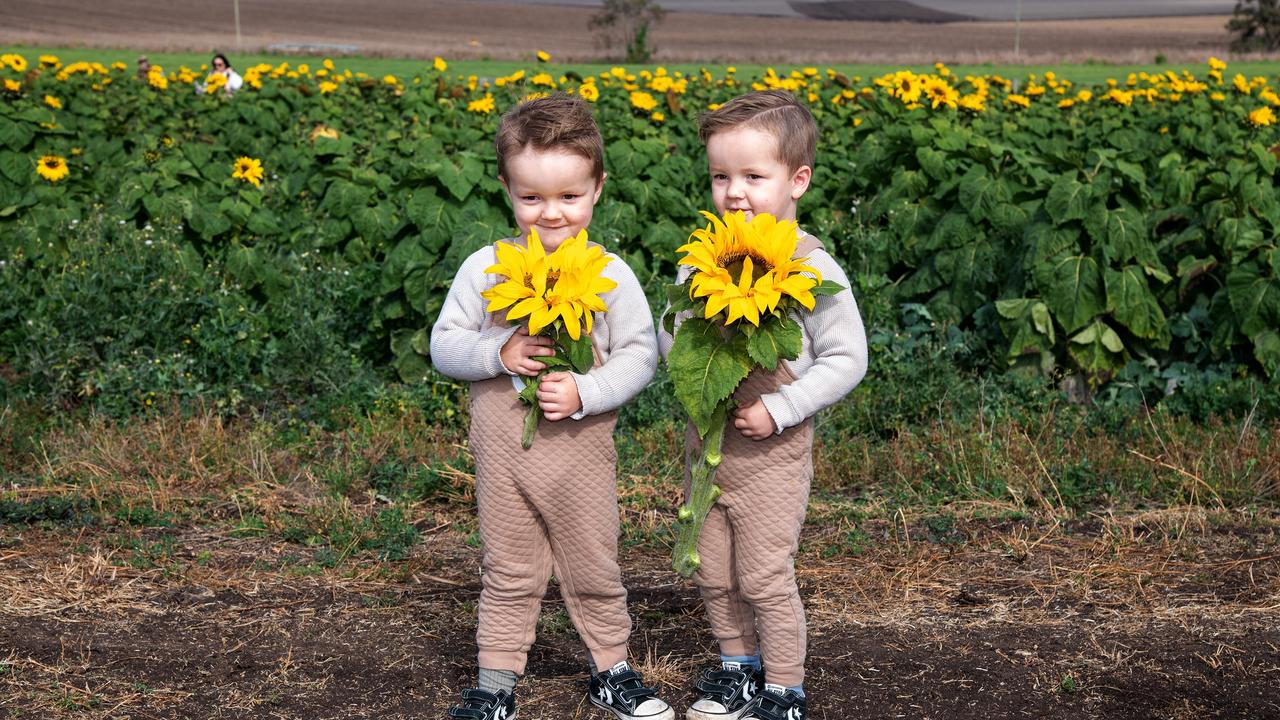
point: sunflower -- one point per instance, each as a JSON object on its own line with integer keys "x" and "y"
{"x": 249, "y": 170}
{"x": 323, "y": 131}
{"x": 12, "y": 85}
{"x": 1262, "y": 116}
{"x": 643, "y": 100}
{"x": 53, "y": 102}
{"x": 746, "y": 268}
{"x": 52, "y": 168}
{"x": 565, "y": 285}
{"x": 483, "y": 105}
{"x": 589, "y": 92}
{"x": 939, "y": 92}
{"x": 439, "y": 64}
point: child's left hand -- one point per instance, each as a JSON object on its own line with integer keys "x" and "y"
{"x": 558, "y": 396}
{"x": 754, "y": 421}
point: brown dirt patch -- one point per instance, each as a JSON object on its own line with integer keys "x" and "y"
{"x": 455, "y": 29}
{"x": 1127, "y": 618}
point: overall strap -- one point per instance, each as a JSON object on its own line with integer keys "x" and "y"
{"x": 807, "y": 244}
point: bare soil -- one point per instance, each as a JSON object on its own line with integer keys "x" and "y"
{"x": 455, "y": 29}
{"x": 1169, "y": 614}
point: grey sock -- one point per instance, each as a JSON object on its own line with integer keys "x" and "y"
{"x": 591, "y": 665}
{"x": 495, "y": 680}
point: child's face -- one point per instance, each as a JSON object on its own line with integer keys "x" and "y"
{"x": 553, "y": 191}
{"x": 747, "y": 175}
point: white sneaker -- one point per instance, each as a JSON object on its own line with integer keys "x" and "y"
{"x": 725, "y": 692}
{"x": 622, "y": 691}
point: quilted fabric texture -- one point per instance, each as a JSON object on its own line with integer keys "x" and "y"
{"x": 553, "y": 507}
{"x": 749, "y": 542}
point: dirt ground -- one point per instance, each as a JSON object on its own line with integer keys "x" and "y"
{"x": 456, "y": 29}
{"x": 1168, "y": 614}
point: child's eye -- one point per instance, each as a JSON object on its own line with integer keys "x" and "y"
{"x": 719, "y": 177}
{"x": 529, "y": 198}
{"x": 569, "y": 197}
{"x": 753, "y": 176}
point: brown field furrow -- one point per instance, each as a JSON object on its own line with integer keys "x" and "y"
{"x": 409, "y": 28}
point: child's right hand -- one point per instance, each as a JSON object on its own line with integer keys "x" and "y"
{"x": 520, "y": 352}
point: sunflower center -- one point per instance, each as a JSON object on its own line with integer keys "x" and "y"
{"x": 51, "y": 164}
{"x": 733, "y": 262}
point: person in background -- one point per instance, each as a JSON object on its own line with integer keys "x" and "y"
{"x": 230, "y": 80}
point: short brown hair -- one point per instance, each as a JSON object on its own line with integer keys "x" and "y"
{"x": 775, "y": 112}
{"x": 556, "y": 121}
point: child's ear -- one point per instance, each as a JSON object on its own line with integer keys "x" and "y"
{"x": 503, "y": 180}
{"x": 599, "y": 188}
{"x": 800, "y": 181}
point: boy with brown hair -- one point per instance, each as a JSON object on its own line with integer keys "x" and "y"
{"x": 760, "y": 154}
{"x": 553, "y": 506}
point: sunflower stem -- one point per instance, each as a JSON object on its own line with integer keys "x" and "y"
{"x": 531, "y": 417}
{"x": 703, "y": 493}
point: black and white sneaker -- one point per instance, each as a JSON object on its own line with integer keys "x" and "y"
{"x": 776, "y": 703}
{"x": 621, "y": 691}
{"x": 725, "y": 692}
{"x": 483, "y": 705}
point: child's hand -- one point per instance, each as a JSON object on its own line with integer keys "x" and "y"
{"x": 558, "y": 396}
{"x": 754, "y": 421}
{"x": 520, "y": 352}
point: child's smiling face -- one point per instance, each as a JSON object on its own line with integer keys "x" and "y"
{"x": 553, "y": 191}
{"x": 747, "y": 175}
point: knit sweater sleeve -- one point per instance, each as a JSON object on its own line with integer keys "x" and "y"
{"x": 632, "y": 354}
{"x": 836, "y": 342}
{"x": 665, "y": 339}
{"x": 460, "y": 345}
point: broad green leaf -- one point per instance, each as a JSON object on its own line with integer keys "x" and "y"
{"x": 581, "y": 356}
{"x": 1130, "y": 300}
{"x": 17, "y": 167}
{"x": 1067, "y": 200}
{"x": 1191, "y": 268}
{"x": 933, "y": 162}
{"x": 827, "y": 287}
{"x": 208, "y": 221}
{"x": 777, "y": 338}
{"x": 1014, "y": 308}
{"x": 980, "y": 194}
{"x": 1097, "y": 348}
{"x": 1266, "y": 349}
{"x": 1240, "y": 235}
{"x": 411, "y": 365}
{"x": 460, "y": 176}
{"x": 1255, "y": 298}
{"x": 705, "y": 368}
{"x": 16, "y": 135}
{"x": 378, "y": 223}
{"x": 1074, "y": 292}
{"x": 1126, "y": 236}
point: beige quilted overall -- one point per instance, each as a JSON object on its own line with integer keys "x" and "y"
{"x": 551, "y": 507}
{"x": 749, "y": 542}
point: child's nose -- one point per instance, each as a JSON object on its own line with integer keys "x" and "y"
{"x": 552, "y": 211}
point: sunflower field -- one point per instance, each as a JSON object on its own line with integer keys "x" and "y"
{"x": 1077, "y": 230}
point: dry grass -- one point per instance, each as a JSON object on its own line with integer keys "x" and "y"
{"x": 918, "y": 545}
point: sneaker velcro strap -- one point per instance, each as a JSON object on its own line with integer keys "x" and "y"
{"x": 476, "y": 705}
{"x": 767, "y": 708}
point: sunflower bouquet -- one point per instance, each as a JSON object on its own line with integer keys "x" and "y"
{"x": 555, "y": 295}
{"x": 744, "y": 287}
